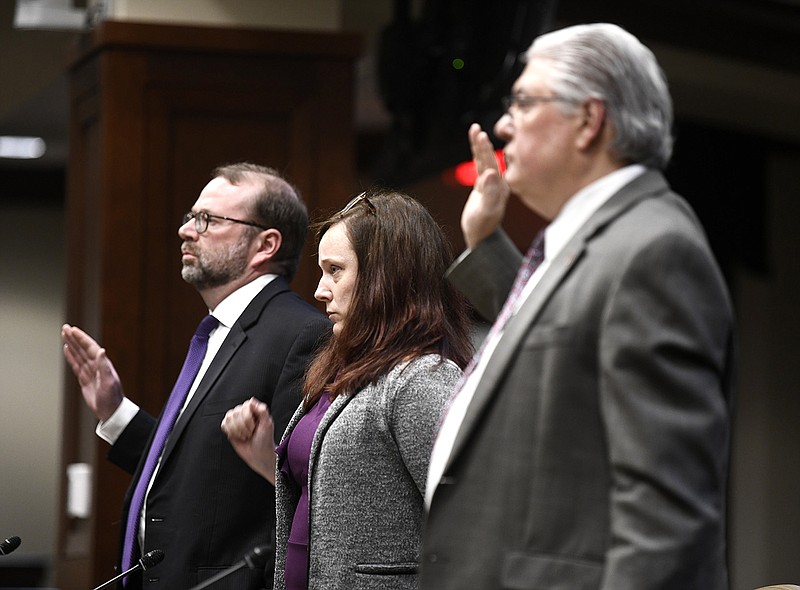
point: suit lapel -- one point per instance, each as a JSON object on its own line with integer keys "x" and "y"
{"x": 233, "y": 341}
{"x": 517, "y": 327}
{"x": 649, "y": 184}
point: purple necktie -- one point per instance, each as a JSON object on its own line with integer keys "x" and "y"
{"x": 194, "y": 358}
{"x": 533, "y": 258}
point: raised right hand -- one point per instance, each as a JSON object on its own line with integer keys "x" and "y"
{"x": 100, "y": 384}
{"x": 483, "y": 213}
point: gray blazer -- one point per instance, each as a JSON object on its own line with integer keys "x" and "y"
{"x": 594, "y": 453}
{"x": 367, "y": 472}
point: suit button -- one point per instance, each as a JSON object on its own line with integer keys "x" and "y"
{"x": 432, "y": 558}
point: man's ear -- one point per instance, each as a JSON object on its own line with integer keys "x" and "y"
{"x": 592, "y": 121}
{"x": 269, "y": 243}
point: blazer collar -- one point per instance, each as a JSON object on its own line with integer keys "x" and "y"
{"x": 336, "y": 407}
{"x": 648, "y": 185}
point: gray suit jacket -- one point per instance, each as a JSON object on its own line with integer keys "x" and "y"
{"x": 595, "y": 451}
{"x": 367, "y": 472}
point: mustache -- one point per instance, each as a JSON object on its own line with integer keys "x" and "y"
{"x": 186, "y": 248}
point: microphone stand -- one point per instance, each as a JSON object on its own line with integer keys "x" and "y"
{"x": 254, "y": 559}
{"x": 117, "y": 577}
{"x": 148, "y": 560}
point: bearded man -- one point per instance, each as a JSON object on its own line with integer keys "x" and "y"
{"x": 191, "y": 496}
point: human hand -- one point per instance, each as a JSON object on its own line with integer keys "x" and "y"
{"x": 100, "y": 384}
{"x": 250, "y": 431}
{"x": 486, "y": 205}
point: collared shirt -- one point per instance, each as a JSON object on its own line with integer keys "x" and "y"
{"x": 575, "y": 212}
{"x": 227, "y": 312}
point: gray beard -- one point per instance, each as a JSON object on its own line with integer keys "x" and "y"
{"x": 217, "y": 268}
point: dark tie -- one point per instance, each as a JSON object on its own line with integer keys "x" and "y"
{"x": 194, "y": 358}
{"x": 533, "y": 258}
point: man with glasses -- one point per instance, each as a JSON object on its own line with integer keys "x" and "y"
{"x": 588, "y": 445}
{"x": 191, "y": 496}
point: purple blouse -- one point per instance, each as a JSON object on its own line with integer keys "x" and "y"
{"x": 293, "y": 455}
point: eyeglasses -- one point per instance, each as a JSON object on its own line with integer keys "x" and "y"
{"x": 523, "y": 101}
{"x": 201, "y": 219}
{"x": 362, "y": 198}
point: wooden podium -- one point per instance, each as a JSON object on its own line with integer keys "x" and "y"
{"x": 153, "y": 109}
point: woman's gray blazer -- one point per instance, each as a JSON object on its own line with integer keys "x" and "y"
{"x": 367, "y": 470}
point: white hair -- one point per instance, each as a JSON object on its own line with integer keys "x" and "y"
{"x": 605, "y": 62}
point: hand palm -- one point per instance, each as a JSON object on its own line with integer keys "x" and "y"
{"x": 486, "y": 204}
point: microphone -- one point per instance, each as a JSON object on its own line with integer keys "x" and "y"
{"x": 9, "y": 545}
{"x": 147, "y": 561}
{"x": 256, "y": 558}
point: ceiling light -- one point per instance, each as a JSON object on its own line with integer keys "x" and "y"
{"x": 21, "y": 148}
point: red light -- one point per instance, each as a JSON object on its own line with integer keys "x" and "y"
{"x": 465, "y": 173}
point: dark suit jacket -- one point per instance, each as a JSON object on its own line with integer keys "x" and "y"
{"x": 594, "y": 453}
{"x": 207, "y": 508}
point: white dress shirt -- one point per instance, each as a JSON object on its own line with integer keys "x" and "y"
{"x": 560, "y": 231}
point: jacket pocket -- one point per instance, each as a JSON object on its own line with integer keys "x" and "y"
{"x": 547, "y": 336}
{"x": 387, "y": 569}
{"x": 219, "y": 407}
{"x": 523, "y": 571}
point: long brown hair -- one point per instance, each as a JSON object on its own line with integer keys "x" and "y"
{"x": 402, "y": 306}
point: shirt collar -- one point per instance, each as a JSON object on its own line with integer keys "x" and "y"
{"x": 230, "y": 308}
{"x": 582, "y": 205}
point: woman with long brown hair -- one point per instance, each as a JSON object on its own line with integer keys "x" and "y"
{"x": 352, "y": 463}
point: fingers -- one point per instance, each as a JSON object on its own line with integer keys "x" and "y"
{"x": 250, "y": 431}
{"x": 71, "y": 357}
{"x": 240, "y": 422}
{"x": 77, "y": 338}
{"x": 79, "y": 347}
{"x": 238, "y": 425}
{"x": 259, "y": 409}
{"x": 485, "y": 207}
{"x": 482, "y": 149}
{"x": 78, "y": 355}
